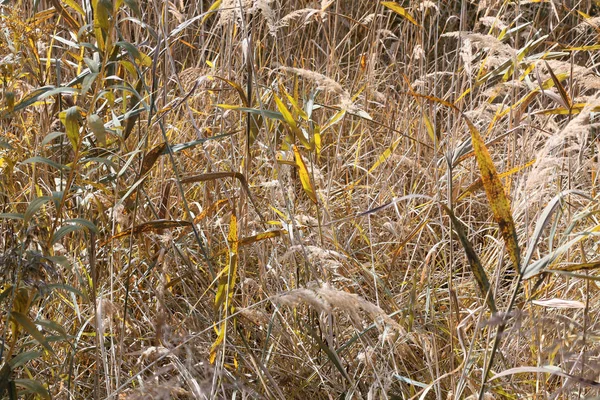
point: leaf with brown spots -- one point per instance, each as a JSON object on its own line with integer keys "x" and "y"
{"x": 496, "y": 196}
{"x": 151, "y": 157}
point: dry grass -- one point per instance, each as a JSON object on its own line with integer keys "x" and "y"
{"x": 132, "y": 248}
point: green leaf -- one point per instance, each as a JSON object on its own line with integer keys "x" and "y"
{"x": 45, "y": 161}
{"x": 51, "y": 136}
{"x": 64, "y": 230}
{"x": 35, "y": 205}
{"x": 476, "y": 267}
{"x": 85, "y": 223}
{"x": 29, "y": 326}
{"x": 33, "y": 386}
{"x": 68, "y": 288}
{"x": 22, "y": 358}
{"x": 12, "y": 216}
{"x": 32, "y": 98}
{"x": 58, "y": 90}
{"x": 5, "y": 145}
{"x": 53, "y": 326}
{"x": 135, "y": 8}
{"x": 267, "y": 113}
{"x": 138, "y": 56}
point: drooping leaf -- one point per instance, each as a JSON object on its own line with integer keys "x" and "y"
{"x": 51, "y": 136}
{"x": 291, "y": 122}
{"x": 588, "y": 266}
{"x": 267, "y": 113}
{"x": 151, "y": 226}
{"x": 63, "y": 231}
{"x": 23, "y": 358}
{"x": 212, "y": 9}
{"x": 552, "y": 370}
{"x": 34, "y": 386}
{"x": 262, "y": 236}
{"x": 237, "y": 88}
{"x": 175, "y": 148}
{"x": 134, "y": 6}
{"x": 558, "y": 303}
{"x": 139, "y": 57}
{"x": 151, "y": 157}
{"x": 566, "y": 100}
{"x": 85, "y": 223}
{"x": 398, "y": 9}
{"x": 5, "y": 145}
{"x": 45, "y": 161}
{"x": 541, "y": 223}
{"x": 30, "y": 328}
{"x": 35, "y": 205}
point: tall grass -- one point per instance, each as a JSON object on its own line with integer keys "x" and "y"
{"x": 290, "y": 199}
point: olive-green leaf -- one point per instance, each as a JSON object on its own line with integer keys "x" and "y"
{"x": 30, "y": 328}
{"x": 46, "y": 161}
{"x": 35, "y": 205}
{"x": 33, "y": 386}
{"x": 85, "y": 223}
{"x": 22, "y": 358}
{"x": 64, "y": 230}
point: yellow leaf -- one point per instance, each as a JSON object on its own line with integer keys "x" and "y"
{"x": 495, "y": 193}
{"x": 336, "y": 118}
{"x": 262, "y": 236}
{"x": 217, "y": 342}
{"x": 430, "y": 128}
{"x": 317, "y": 141}
{"x": 228, "y": 275}
{"x": 478, "y": 183}
{"x": 291, "y": 122}
{"x": 304, "y": 176}
{"x": 398, "y": 9}
{"x": 385, "y": 155}
{"x": 213, "y": 8}
{"x": 492, "y": 185}
{"x": 102, "y": 13}
{"x": 71, "y": 122}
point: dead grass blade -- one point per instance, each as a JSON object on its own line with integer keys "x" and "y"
{"x": 152, "y": 226}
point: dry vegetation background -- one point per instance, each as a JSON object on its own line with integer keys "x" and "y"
{"x": 294, "y": 199}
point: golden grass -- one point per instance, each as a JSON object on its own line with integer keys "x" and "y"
{"x": 281, "y": 199}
